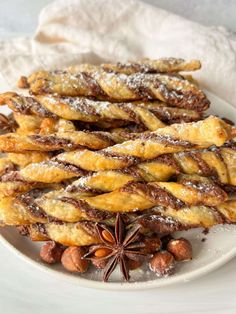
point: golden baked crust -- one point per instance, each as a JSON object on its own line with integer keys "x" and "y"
{"x": 69, "y": 234}
{"x": 24, "y": 159}
{"x": 73, "y": 206}
{"x": 172, "y": 89}
{"x": 144, "y": 65}
{"x": 125, "y": 170}
{"x": 217, "y": 164}
{"x": 170, "y": 220}
{"x": 12, "y": 142}
{"x": 76, "y": 163}
{"x": 151, "y": 115}
{"x": 159, "y": 220}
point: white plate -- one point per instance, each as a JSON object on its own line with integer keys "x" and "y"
{"x": 210, "y": 251}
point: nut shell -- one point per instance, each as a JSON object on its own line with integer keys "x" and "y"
{"x": 162, "y": 263}
{"x": 152, "y": 244}
{"x": 72, "y": 259}
{"x": 51, "y": 252}
{"x": 181, "y": 249}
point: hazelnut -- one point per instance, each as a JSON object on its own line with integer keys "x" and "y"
{"x": 132, "y": 265}
{"x": 152, "y": 244}
{"x": 72, "y": 259}
{"x": 162, "y": 263}
{"x": 181, "y": 249}
{"x": 51, "y": 252}
{"x": 99, "y": 263}
{"x": 23, "y": 82}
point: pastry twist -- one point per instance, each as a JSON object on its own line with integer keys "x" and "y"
{"x": 159, "y": 219}
{"x": 145, "y": 65}
{"x": 134, "y": 196}
{"x": 216, "y": 163}
{"x": 174, "y": 138}
{"x": 174, "y": 90}
{"x": 70, "y": 234}
{"x": 31, "y": 124}
{"x": 12, "y": 142}
{"x": 168, "y": 220}
{"x": 150, "y": 115}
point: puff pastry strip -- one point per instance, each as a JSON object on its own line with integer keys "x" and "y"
{"x": 71, "y": 140}
{"x": 30, "y": 124}
{"x": 152, "y": 115}
{"x": 145, "y": 65}
{"x": 72, "y": 207}
{"x": 175, "y": 91}
{"x": 168, "y": 220}
{"x": 161, "y": 220}
{"x": 216, "y": 163}
{"x": 175, "y": 138}
{"x": 69, "y": 234}
{"x": 24, "y": 159}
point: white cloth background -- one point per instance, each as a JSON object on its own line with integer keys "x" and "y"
{"x": 73, "y": 31}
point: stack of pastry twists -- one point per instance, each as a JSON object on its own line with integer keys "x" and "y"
{"x": 171, "y": 139}
{"x": 68, "y": 167}
{"x": 151, "y": 115}
{"x": 174, "y": 90}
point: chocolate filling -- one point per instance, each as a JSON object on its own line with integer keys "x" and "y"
{"x": 53, "y": 142}
{"x": 13, "y": 176}
{"x": 132, "y": 115}
{"x": 205, "y": 188}
{"x": 173, "y": 115}
{"x": 130, "y": 160}
{"x": 104, "y": 136}
{"x": 136, "y": 86}
{"x": 82, "y": 188}
{"x": 34, "y": 209}
{"x": 156, "y": 194}
{"x": 160, "y": 224}
{"x": 166, "y": 140}
{"x": 186, "y": 99}
{"x": 67, "y": 167}
{"x": 132, "y": 171}
{"x": 87, "y": 209}
{"x": 203, "y": 166}
{"x": 169, "y": 160}
{"x": 89, "y": 227}
{"x": 29, "y": 105}
{"x": 93, "y": 85}
{"x": 80, "y": 104}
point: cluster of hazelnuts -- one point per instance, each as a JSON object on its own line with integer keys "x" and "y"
{"x": 164, "y": 254}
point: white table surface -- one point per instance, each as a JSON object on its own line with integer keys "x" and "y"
{"x": 40, "y": 293}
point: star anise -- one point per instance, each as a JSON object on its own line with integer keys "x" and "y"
{"x": 117, "y": 247}
{"x": 7, "y": 124}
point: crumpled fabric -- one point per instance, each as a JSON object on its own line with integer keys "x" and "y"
{"x": 75, "y": 31}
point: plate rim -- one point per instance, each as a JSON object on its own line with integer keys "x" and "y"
{"x": 127, "y": 286}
